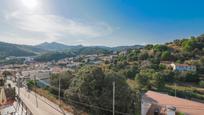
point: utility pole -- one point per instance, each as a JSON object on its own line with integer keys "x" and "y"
{"x": 59, "y": 90}
{"x": 114, "y": 98}
{"x": 175, "y": 90}
{"x": 18, "y": 84}
{"x": 138, "y": 103}
{"x": 35, "y": 91}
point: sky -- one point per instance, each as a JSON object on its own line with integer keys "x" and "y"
{"x": 100, "y": 22}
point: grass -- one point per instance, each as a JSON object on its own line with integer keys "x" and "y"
{"x": 180, "y": 113}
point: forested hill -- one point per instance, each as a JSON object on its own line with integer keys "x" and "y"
{"x": 179, "y": 50}
{"x": 156, "y": 59}
{"x": 150, "y": 68}
{"x": 54, "y": 46}
{"x": 191, "y": 44}
{"x": 48, "y": 51}
{"x": 7, "y": 49}
{"x": 135, "y": 72}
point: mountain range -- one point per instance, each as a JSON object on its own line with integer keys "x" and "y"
{"x": 8, "y": 49}
{"x": 54, "y": 46}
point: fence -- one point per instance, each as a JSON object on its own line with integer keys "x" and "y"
{"x": 23, "y": 106}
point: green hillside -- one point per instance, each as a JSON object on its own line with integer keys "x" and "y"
{"x": 150, "y": 67}
{"x": 13, "y": 50}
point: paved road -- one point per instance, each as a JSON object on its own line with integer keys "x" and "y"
{"x": 39, "y": 105}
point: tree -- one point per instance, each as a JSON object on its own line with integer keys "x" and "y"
{"x": 189, "y": 45}
{"x": 202, "y": 61}
{"x": 201, "y": 83}
{"x": 162, "y": 66}
{"x": 160, "y": 48}
{"x": 93, "y": 87}
{"x": 177, "y": 42}
{"x": 124, "y": 97}
{"x": 65, "y": 80}
{"x": 143, "y": 56}
{"x": 191, "y": 77}
{"x": 166, "y": 55}
{"x": 30, "y": 84}
{"x": 157, "y": 80}
{"x": 169, "y": 76}
{"x": 187, "y": 76}
{"x": 86, "y": 87}
{"x": 149, "y": 78}
{"x": 130, "y": 72}
{"x": 133, "y": 56}
{"x": 149, "y": 47}
{"x": 143, "y": 81}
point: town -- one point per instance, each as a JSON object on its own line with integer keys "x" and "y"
{"x": 101, "y": 57}
{"x": 20, "y": 81}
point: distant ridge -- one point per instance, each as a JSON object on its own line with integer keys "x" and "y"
{"x": 8, "y": 49}
{"x": 54, "y": 46}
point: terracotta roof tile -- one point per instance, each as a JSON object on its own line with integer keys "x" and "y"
{"x": 182, "y": 105}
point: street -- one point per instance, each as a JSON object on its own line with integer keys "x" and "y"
{"x": 37, "y": 104}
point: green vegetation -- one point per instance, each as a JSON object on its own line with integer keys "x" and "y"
{"x": 12, "y": 61}
{"x": 151, "y": 72}
{"x": 148, "y": 79}
{"x": 90, "y": 88}
{"x": 201, "y": 83}
{"x": 166, "y": 55}
{"x": 30, "y": 84}
{"x": 52, "y": 51}
{"x": 7, "y": 49}
{"x": 93, "y": 86}
{"x": 53, "y": 56}
{"x": 180, "y": 113}
{"x": 65, "y": 80}
{"x": 184, "y": 92}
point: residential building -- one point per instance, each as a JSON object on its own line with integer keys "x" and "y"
{"x": 183, "y": 67}
{"x": 154, "y": 103}
{"x": 7, "y": 94}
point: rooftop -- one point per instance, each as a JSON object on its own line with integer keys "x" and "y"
{"x": 183, "y": 65}
{"x": 182, "y": 105}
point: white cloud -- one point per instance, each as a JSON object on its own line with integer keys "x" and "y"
{"x": 32, "y": 26}
{"x": 52, "y": 25}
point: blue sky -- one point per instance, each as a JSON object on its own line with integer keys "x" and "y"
{"x": 100, "y": 22}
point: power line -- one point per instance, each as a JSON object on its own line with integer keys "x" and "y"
{"x": 178, "y": 106}
{"x": 97, "y": 107}
{"x": 59, "y": 90}
{"x": 47, "y": 103}
{"x": 62, "y": 90}
{"x": 85, "y": 104}
{"x": 114, "y": 98}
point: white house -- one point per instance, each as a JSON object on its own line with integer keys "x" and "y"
{"x": 183, "y": 67}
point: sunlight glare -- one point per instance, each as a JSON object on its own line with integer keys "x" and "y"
{"x": 30, "y": 4}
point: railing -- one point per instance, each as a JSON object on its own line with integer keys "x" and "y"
{"x": 27, "y": 110}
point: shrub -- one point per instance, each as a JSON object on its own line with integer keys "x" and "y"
{"x": 201, "y": 84}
